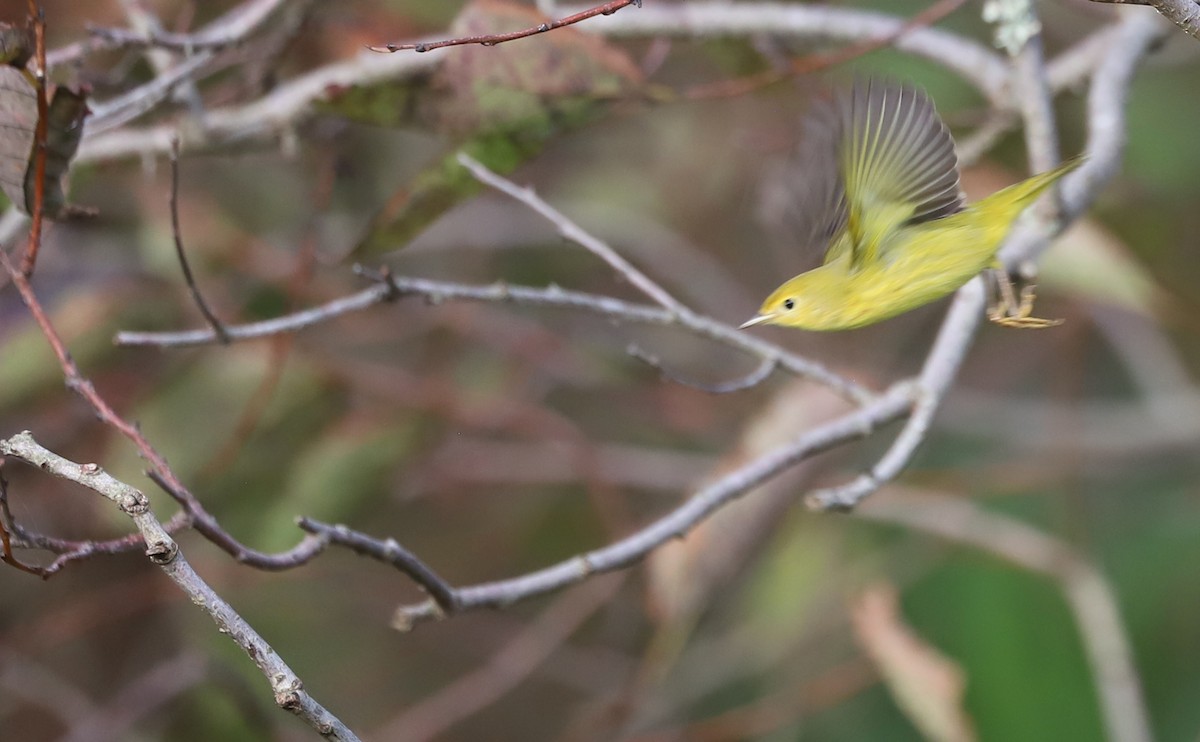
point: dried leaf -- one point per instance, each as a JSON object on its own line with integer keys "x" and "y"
{"x": 16, "y": 44}
{"x": 18, "y": 124}
{"x": 927, "y": 687}
{"x": 64, "y": 129}
{"x": 18, "y": 120}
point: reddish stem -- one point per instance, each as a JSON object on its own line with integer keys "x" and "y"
{"x": 39, "y": 141}
{"x": 492, "y": 39}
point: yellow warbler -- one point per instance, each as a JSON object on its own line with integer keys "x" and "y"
{"x": 901, "y": 234}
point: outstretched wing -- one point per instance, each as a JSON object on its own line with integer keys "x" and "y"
{"x": 896, "y": 163}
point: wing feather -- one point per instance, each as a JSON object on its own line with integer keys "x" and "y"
{"x": 896, "y": 163}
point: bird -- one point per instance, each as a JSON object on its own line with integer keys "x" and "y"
{"x": 900, "y": 233}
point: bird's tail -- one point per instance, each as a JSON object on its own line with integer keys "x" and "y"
{"x": 1006, "y": 205}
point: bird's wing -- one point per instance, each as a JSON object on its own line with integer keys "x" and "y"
{"x": 896, "y": 163}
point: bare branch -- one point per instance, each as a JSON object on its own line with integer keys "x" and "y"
{"x": 232, "y": 28}
{"x": 941, "y": 366}
{"x": 392, "y": 287}
{"x": 1070, "y": 68}
{"x": 972, "y": 147}
{"x": 68, "y": 550}
{"x": 1183, "y": 13}
{"x": 816, "y": 62}
{"x": 492, "y": 39}
{"x": 571, "y": 231}
{"x": 893, "y": 404}
{"x": 1035, "y": 100}
{"x": 7, "y": 555}
{"x": 388, "y": 551}
{"x": 973, "y": 62}
{"x": 164, "y": 552}
{"x": 159, "y": 471}
{"x": 752, "y": 379}
{"x": 177, "y": 235}
{"x": 1076, "y": 64}
{"x": 121, "y": 110}
{"x": 145, "y": 22}
{"x": 262, "y": 121}
{"x": 1134, "y": 35}
{"x": 291, "y": 104}
{"x": 205, "y": 524}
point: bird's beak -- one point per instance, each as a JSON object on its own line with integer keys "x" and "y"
{"x": 754, "y": 321}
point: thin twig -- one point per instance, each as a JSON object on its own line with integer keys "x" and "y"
{"x": 67, "y": 550}
{"x": 816, "y": 62}
{"x": 1183, "y": 13}
{"x": 232, "y": 28}
{"x": 177, "y": 234}
{"x": 387, "y": 551}
{"x": 1135, "y": 34}
{"x": 1065, "y": 72}
{"x": 159, "y": 470}
{"x": 752, "y": 379}
{"x": 571, "y": 231}
{"x": 294, "y": 102}
{"x": 164, "y": 552}
{"x": 205, "y": 524}
{"x": 121, "y": 110}
{"x": 891, "y": 405}
{"x": 704, "y": 19}
{"x": 1035, "y": 100}
{"x": 393, "y": 287}
{"x": 7, "y": 555}
{"x": 941, "y": 366}
{"x": 492, "y": 39}
{"x": 281, "y": 346}
{"x": 41, "y": 129}
{"x": 143, "y": 20}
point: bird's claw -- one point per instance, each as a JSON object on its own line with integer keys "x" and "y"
{"x": 1008, "y": 311}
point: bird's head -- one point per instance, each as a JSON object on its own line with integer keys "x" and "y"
{"x": 790, "y": 305}
{"x": 811, "y": 301}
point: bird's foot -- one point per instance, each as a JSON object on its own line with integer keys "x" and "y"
{"x": 1009, "y": 311}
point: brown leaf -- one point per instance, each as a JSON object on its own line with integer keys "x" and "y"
{"x": 18, "y": 119}
{"x": 65, "y": 116}
{"x": 18, "y": 123}
{"x": 16, "y": 44}
{"x": 927, "y": 687}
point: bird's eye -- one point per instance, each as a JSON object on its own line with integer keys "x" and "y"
{"x": 789, "y": 304}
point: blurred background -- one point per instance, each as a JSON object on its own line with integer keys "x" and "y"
{"x": 1052, "y": 517}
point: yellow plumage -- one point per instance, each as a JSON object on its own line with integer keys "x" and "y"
{"x": 901, "y": 234}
